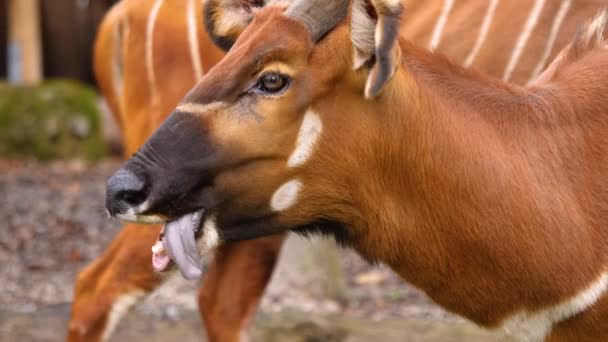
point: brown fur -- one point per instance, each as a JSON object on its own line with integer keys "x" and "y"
{"x": 139, "y": 116}
{"x": 490, "y": 197}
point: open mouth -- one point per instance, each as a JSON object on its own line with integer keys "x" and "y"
{"x": 177, "y": 244}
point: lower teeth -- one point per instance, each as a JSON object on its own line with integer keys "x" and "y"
{"x": 158, "y": 247}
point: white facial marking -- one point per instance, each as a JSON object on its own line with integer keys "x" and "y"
{"x": 200, "y": 109}
{"x": 143, "y": 207}
{"x": 483, "y": 33}
{"x": 130, "y": 216}
{"x": 535, "y": 326}
{"x": 557, "y": 23}
{"x": 310, "y": 131}
{"x": 195, "y": 53}
{"x": 149, "y": 46}
{"x": 121, "y": 306}
{"x": 211, "y": 238}
{"x": 523, "y": 38}
{"x": 120, "y": 30}
{"x": 443, "y": 19}
{"x": 286, "y": 195}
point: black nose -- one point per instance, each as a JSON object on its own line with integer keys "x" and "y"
{"x": 125, "y": 191}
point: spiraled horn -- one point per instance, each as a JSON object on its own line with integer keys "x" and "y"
{"x": 319, "y": 15}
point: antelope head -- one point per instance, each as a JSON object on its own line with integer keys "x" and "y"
{"x": 272, "y": 138}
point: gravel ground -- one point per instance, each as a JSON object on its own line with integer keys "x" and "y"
{"x": 52, "y": 223}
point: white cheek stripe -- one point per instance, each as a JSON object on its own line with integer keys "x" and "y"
{"x": 130, "y": 216}
{"x": 535, "y": 326}
{"x": 483, "y": 33}
{"x": 310, "y": 130}
{"x": 120, "y": 308}
{"x": 211, "y": 238}
{"x": 200, "y": 109}
{"x": 195, "y": 53}
{"x": 443, "y": 19}
{"x": 522, "y": 41}
{"x": 286, "y": 195}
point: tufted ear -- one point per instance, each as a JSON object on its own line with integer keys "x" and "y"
{"x": 226, "y": 19}
{"x": 374, "y": 32}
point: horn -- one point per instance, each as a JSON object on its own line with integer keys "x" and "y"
{"x": 319, "y": 15}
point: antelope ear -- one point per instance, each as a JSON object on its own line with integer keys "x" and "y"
{"x": 374, "y": 32}
{"x": 226, "y": 19}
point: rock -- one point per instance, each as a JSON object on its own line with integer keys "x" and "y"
{"x": 80, "y": 127}
{"x": 55, "y": 120}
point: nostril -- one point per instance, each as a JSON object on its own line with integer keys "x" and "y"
{"x": 125, "y": 190}
{"x": 132, "y": 197}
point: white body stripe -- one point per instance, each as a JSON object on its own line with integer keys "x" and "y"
{"x": 523, "y": 38}
{"x": 195, "y": 53}
{"x": 535, "y": 326}
{"x": 557, "y": 24}
{"x": 120, "y": 307}
{"x": 310, "y": 130}
{"x": 120, "y": 30}
{"x": 483, "y": 32}
{"x": 443, "y": 19}
{"x": 151, "y": 24}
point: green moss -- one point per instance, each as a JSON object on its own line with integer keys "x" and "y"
{"x": 58, "y": 119}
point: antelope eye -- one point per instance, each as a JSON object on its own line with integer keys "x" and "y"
{"x": 272, "y": 83}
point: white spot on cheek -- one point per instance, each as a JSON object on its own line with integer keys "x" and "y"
{"x": 286, "y": 195}
{"x": 310, "y": 131}
{"x": 211, "y": 238}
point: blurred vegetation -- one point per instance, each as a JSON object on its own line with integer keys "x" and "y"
{"x": 58, "y": 119}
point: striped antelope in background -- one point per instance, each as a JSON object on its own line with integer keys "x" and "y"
{"x": 146, "y": 59}
{"x": 490, "y": 197}
{"x": 512, "y": 39}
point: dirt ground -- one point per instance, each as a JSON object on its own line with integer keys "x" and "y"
{"x": 52, "y": 224}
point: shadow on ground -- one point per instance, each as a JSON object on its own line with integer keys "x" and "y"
{"x": 284, "y": 327}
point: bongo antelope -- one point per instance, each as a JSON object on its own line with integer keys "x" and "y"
{"x": 146, "y": 59}
{"x": 490, "y": 197}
